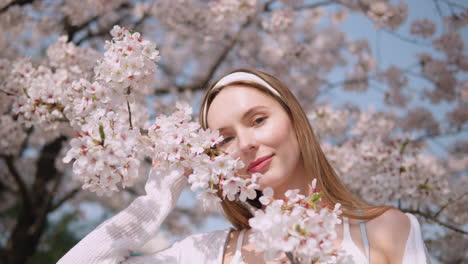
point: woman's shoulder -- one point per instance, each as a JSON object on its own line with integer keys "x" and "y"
{"x": 390, "y": 220}
{"x": 389, "y": 232}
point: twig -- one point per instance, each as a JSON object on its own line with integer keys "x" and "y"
{"x": 449, "y": 133}
{"x": 8, "y": 93}
{"x": 448, "y": 203}
{"x": 65, "y": 198}
{"x": 439, "y": 10}
{"x": 406, "y": 39}
{"x": 450, "y": 3}
{"x": 303, "y": 7}
{"x": 436, "y": 220}
{"x": 129, "y": 114}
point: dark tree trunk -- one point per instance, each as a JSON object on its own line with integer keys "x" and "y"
{"x": 32, "y": 217}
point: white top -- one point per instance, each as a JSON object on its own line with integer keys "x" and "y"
{"x": 115, "y": 239}
{"x": 350, "y": 247}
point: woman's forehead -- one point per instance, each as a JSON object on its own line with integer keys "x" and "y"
{"x": 233, "y": 101}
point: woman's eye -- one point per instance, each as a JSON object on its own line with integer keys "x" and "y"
{"x": 226, "y": 140}
{"x": 259, "y": 120}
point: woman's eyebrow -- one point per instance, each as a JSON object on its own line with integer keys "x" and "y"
{"x": 247, "y": 114}
{"x": 253, "y": 110}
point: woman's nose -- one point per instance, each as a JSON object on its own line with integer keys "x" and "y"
{"x": 247, "y": 142}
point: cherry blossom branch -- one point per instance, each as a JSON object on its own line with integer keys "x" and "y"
{"x": 448, "y": 203}
{"x": 315, "y": 5}
{"x": 25, "y": 195}
{"x": 65, "y": 198}
{"x": 406, "y": 39}
{"x": 302, "y": 7}
{"x": 439, "y": 10}
{"x": 202, "y": 83}
{"x": 104, "y": 31}
{"x": 223, "y": 55}
{"x": 71, "y": 30}
{"x": 17, "y": 2}
{"x": 8, "y": 93}
{"x": 129, "y": 115}
{"x": 450, "y": 3}
{"x": 433, "y": 135}
{"x": 436, "y": 220}
{"x": 89, "y": 34}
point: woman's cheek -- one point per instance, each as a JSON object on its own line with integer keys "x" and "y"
{"x": 278, "y": 132}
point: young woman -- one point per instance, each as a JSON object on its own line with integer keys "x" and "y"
{"x": 264, "y": 125}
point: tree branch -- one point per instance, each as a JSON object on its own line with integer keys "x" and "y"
{"x": 17, "y": 2}
{"x": 65, "y": 198}
{"x": 448, "y": 203}
{"x": 436, "y": 220}
{"x": 8, "y": 93}
{"x": 446, "y": 134}
{"x": 99, "y": 33}
{"x": 25, "y": 195}
{"x": 201, "y": 84}
{"x": 455, "y": 4}
{"x": 6, "y": 187}
{"x": 104, "y": 31}
{"x": 407, "y": 39}
{"x": 312, "y": 6}
{"x": 71, "y": 30}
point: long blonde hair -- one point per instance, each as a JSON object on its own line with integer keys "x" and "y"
{"x": 315, "y": 163}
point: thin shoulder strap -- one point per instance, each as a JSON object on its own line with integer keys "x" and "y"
{"x": 237, "y": 258}
{"x": 346, "y": 233}
{"x": 362, "y": 223}
{"x": 240, "y": 239}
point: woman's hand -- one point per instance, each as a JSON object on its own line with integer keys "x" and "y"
{"x": 187, "y": 171}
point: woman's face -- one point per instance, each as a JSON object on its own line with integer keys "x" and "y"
{"x": 258, "y": 130}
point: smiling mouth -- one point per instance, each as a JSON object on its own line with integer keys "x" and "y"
{"x": 259, "y": 164}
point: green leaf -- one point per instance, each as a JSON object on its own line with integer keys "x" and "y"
{"x": 403, "y": 146}
{"x": 316, "y": 197}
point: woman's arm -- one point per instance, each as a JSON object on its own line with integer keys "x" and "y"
{"x": 129, "y": 230}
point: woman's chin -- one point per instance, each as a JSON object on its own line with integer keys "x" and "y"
{"x": 270, "y": 182}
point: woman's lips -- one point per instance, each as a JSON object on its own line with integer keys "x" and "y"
{"x": 259, "y": 164}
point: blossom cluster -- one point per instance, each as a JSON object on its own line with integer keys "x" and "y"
{"x": 128, "y": 63}
{"x": 423, "y": 28}
{"x": 396, "y": 168}
{"x": 41, "y": 101}
{"x": 105, "y": 153}
{"x": 176, "y": 142}
{"x": 384, "y": 14}
{"x": 302, "y": 226}
{"x": 232, "y": 11}
{"x": 107, "y": 114}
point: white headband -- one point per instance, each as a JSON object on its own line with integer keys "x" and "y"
{"x": 232, "y": 78}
